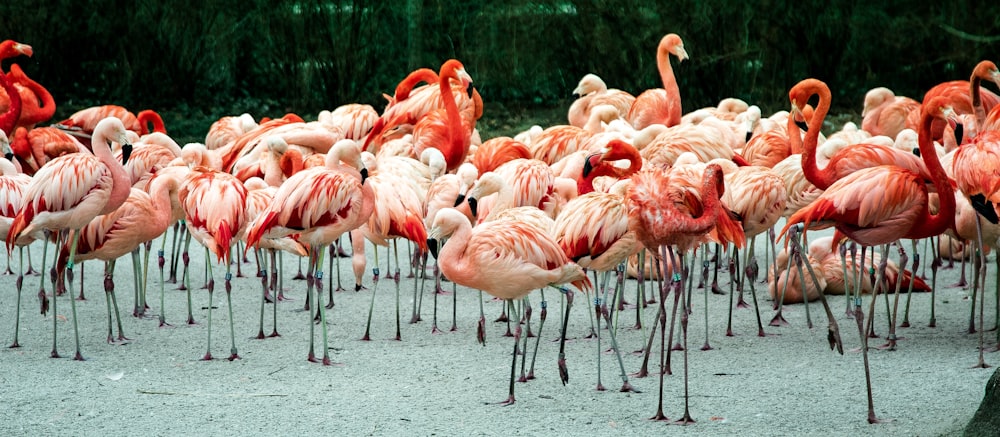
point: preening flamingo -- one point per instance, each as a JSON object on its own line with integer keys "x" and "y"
{"x": 661, "y": 105}
{"x": 69, "y": 191}
{"x": 38, "y": 104}
{"x": 507, "y": 259}
{"x": 8, "y": 119}
{"x": 879, "y": 205}
{"x": 319, "y": 204}
{"x": 666, "y": 213}
{"x": 214, "y": 205}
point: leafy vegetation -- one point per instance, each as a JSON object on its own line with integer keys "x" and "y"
{"x": 194, "y": 61}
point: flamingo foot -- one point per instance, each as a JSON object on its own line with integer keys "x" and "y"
{"x": 435, "y": 330}
{"x": 481, "y": 331}
{"x": 685, "y": 421}
{"x": 628, "y": 388}
{"x": 329, "y": 305}
{"x": 54, "y": 354}
{"x": 563, "y": 371}
{"x": 600, "y": 387}
{"x": 233, "y": 356}
{"x": 312, "y": 357}
{"x": 642, "y": 373}
{"x": 78, "y": 357}
{"x": 706, "y": 346}
{"x": 873, "y": 420}
{"x": 778, "y": 320}
{"x": 504, "y": 403}
{"x": 14, "y": 345}
{"x": 717, "y": 290}
{"x": 274, "y": 333}
{"x": 207, "y": 357}
{"x": 260, "y": 335}
{"x": 659, "y": 416}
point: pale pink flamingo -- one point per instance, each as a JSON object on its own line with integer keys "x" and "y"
{"x": 84, "y": 122}
{"x": 355, "y": 120}
{"x": 228, "y": 129}
{"x": 667, "y": 213}
{"x": 68, "y": 192}
{"x": 214, "y": 206}
{"x": 592, "y": 92}
{"x": 12, "y": 186}
{"x": 319, "y": 204}
{"x": 523, "y": 257}
{"x": 661, "y": 105}
{"x": 879, "y": 205}
{"x": 592, "y": 230}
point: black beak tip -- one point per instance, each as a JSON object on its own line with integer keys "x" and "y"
{"x": 749, "y": 135}
{"x": 959, "y": 133}
{"x": 802, "y": 125}
{"x": 126, "y": 152}
{"x": 364, "y": 175}
{"x": 473, "y": 206}
{"x": 9, "y": 156}
{"x": 459, "y": 200}
{"x": 432, "y": 246}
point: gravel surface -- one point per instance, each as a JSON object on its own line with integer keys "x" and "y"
{"x": 787, "y": 383}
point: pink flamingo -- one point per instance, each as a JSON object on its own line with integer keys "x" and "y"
{"x": 666, "y": 212}
{"x": 12, "y": 185}
{"x": 592, "y": 92}
{"x": 507, "y": 259}
{"x": 214, "y": 206}
{"x": 319, "y": 204}
{"x": 68, "y": 192}
{"x": 8, "y": 119}
{"x": 879, "y": 205}
{"x": 661, "y": 105}
{"x": 447, "y": 129}
{"x": 885, "y": 113}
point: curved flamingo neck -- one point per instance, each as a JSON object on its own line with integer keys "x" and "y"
{"x": 46, "y": 107}
{"x": 454, "y": 151}
{"x": 121, "y": 182}
{"x": 670, "y": 86}
{"x": 822, "y": 179}
{"x": 934, "y": 224}
{"x": 9, "y": 119}
{"x": 410, "y": 81}
{"x": 147, "y": 117}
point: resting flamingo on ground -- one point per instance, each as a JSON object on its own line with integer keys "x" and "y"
{"x": 661, "y": 105}
{"x": 319, "y": 204}
{"x": 668, "y": 214}
{"x": 68, "y": 192}
{"x": 879, "y": 205}
{"x": 507, "y": 259}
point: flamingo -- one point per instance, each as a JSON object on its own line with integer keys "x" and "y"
{"x": 68, "y": 192}
{"x": 661, "y": 105}
{"x": 885, "y": 113}
{"x": 507, "y": 259}
{"x": 966, "y": 97}
{"x": 497, "y": 151}
{"x": 319, "y": 204}
{"x": 665, "y": 214}
{"x": 592, "y": 92}
{"x": 447, "y": 129}
{"x": 228, "y": 129}
{"x": 879, "y": 205}
{"x": 34, "y": 147}
{"x": 83, "y": 122}
{"x": 848, "y": 159}
{"x": 8, "y": 119}
{"x": 12, "y": 185}
{"x": 142, "y": 218}
{"x": 38, "y": 103}
{"x": 214, "y": 206}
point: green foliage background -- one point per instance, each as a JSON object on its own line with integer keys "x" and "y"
{"x": 198, "y": 60}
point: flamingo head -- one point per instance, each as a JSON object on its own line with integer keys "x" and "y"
{"x": 589, "y": 84}
{"x": 11, "y": 48}
{"x": 673, "y": 44}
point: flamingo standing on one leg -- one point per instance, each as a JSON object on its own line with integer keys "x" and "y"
{"x": 665, "y": 213}
{"x": 69, "y": 191}
{"x": 214, "y": 205}
{"x": 507, "y": 259}
{"x": 880, "y": 205}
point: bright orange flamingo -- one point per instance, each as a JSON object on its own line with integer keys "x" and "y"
{"x": 966, "y": 97}
{"x": 68, "y": 192}
{"x": 497, "y": 151}
{"x": 34, "y": 147}
{"x": 319, "y": 204}
{"x": 668, "y": 214}
{"x": 214, "y": 206}
{"x": 12, "y": 186}
{"x": 848, "y": 159}
{"x": 507, "y": 259}
{"x": 879, "y": 205}
{"x": 885, "y": 113}
{"x": 38, "y": 104}
{"x": 8, "y": 119}
{"x": 447, "y": 129}
{"x": 661, "y": 105}
{"x": 10, "y": 48}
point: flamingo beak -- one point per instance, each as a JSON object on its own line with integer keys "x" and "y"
{"x": 588, "y": 165}
{"x": 126, "y": 152}
{"x": 432, "y": 246}
{"x": 459, "y": 200}
{"x": 473, "y": 206}
{"x": 364, "y": 174}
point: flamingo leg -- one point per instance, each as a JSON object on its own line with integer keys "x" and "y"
{"x": 395, "y": 251}
{"x": 513, "y": 363}
{"x": 18, "y": 283}
{"x": 161, "y": 261}
{"x": 678, "y": 294}
{"x": 981, "y": 280}
{"x": 114, "y": 302}
{"x": 69, "y": 278}
{"x": 612, "y": 332}
{"x": 211, "y": 294}
{"x": 274, "y": 283}
{"x": 371, "y": 305}
{"x": 662, "y": 316}
{"x": 751, "y": 275}
{"x": 909, "y": 290}
{"x": 263, "y": 295}
{"x": 538, "y": 338}
{"x": 315, "y": 263}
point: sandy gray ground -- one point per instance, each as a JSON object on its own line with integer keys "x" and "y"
{"x": 788, "y": 383}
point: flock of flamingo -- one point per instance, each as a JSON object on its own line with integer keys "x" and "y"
{"x": 632, "y": 185}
